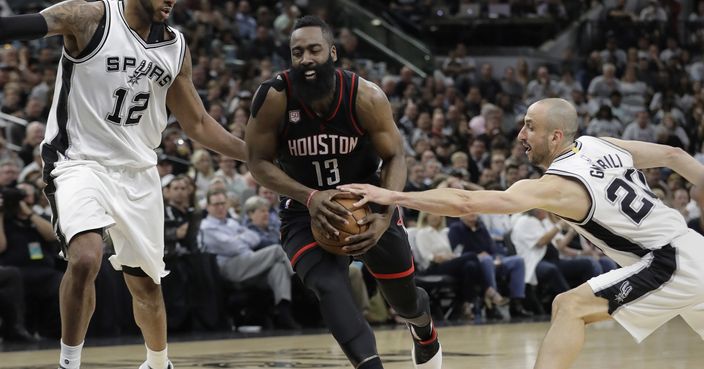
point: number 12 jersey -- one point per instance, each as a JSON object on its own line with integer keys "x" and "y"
{"x": 109, "y": 102}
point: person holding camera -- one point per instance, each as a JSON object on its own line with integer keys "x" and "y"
{"x": 30, "y": 246}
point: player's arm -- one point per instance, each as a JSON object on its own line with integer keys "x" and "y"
{"x": 550, "y": 193}
{"x": 374, "y": 112}
{"x": 185, "y": 104}
{"x": 261, "y": 135}
{"x": 650, "y": 155}
{"x": 76, "y": 20}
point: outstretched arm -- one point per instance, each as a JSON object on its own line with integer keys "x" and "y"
{"x": 76, "y": 20}
{"x": 185, "y": 104}
{"x": 650, "y": 155}
{"x": 550, "y": 193}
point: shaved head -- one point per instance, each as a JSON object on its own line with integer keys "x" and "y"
{"x": 560, "y": 114}
{"x": 550, "y": 129}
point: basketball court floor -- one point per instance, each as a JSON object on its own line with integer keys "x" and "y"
{"x": 506, "y": 346}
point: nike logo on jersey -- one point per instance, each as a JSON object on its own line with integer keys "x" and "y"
{"x": 145, "y": 68}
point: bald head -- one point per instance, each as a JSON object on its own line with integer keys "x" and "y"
{"x": 559, "y": 114}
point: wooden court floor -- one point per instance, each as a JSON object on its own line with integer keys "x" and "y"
{"x": 506, "y": 346}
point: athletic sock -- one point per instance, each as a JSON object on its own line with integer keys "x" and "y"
{"x": 70, "y": 357}
{"x": 157, "y": 359}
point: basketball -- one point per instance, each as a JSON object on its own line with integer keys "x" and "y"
{"x": 335, "y": 243}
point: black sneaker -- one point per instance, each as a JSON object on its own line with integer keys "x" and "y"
{"x": 426, "y": 354}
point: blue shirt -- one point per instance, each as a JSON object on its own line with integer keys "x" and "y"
{"x": 473, "y": 241}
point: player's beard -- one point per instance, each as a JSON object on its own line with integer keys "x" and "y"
{"x": 310, "y": 91}
{"x": 149, "y": 8}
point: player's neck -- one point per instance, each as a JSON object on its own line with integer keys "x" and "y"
{"x": 137, "y": 18}
{"x": 563, "y": 150}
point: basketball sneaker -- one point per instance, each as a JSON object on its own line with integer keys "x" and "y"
{"x": 426, "y": 354}
{"x": 145, "y": 366}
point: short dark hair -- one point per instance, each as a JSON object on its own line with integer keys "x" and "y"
{"x": 214, "y": 192}
{"x": 313, "y": 21}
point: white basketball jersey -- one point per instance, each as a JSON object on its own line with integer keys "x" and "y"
{"x": 110, "y": 105}
{"x": 626, "y": 219}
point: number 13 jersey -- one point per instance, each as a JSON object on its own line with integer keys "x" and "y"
{"x": 626, "y": 220}
{"x": 109, "y": 103}
{"x": 323, "y": 152}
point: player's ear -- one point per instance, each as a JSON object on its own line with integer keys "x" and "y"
{"x": 333, "y": 53}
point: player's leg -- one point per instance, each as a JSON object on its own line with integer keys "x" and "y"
{"x": 640, "y": 297}
{"x": 391, "y": 263}
{"x": 76, "y": 196}
{"x": 138, "y": 239}
{"x": 77, "y": 292}
{"x": 149, "y": 314}
{"x": 326, "y": 275}
{"x": 571, "y": 311}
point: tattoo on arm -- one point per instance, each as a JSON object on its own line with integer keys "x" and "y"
{"x": 76, "y": 18}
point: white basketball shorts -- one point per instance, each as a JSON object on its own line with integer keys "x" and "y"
{"x": 127, "y": 202}
{"x": 663, "y": 284}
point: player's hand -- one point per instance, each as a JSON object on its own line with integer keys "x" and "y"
{"x": 324, "y": 212}
{"x": 369, "y": 193}
{"x": 361, "y": 243}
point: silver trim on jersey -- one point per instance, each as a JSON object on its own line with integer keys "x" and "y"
{"x": 144, "y": 44}
{"x": 182, "y": 56}
{"x": 106, "y": 31}
{"x": 621, "y": 149}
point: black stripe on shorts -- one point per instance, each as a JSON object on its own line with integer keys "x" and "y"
{"x": 643, "y": 282}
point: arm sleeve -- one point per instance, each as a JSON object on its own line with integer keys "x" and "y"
{"x": 23, "y": 27}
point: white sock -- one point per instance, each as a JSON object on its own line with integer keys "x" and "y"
{"x": 70, "y": 356}
{"x": 157, "y": 359}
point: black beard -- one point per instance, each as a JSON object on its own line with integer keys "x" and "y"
{"x": 311, "y": 91}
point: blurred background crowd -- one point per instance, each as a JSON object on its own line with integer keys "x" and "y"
{"x": 459, "y": 76}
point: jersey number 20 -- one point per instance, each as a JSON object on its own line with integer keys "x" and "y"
{"x": 628, "y": 197}
{"x": 139, "y": 104}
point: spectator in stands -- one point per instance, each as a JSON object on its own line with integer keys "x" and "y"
{"x": 653, "y": 12}
{"x": 531, "y": 239}
{"x": 12, "y": 304}
{"x": 181, "y": 218}
{"x": 201, "y": 171}
{"x": 641, "y": 129}
{"x": 234, "y": 182}
{"x": 633, "y": 90}
{"x": 471, "y": 235}
{"x": 542, "y": 86}
{"x": 176, "y": 149}
{"x": 9, "y": 173}
{"x": 256, "y": 209}
{"x": 234, "y": 246}
{"x": 671, "y": 133}
{"x": 488, "y": 85}
{"x": 436, "y": 257}
{"x": 31, "y": 246}
{"x": 33, "y": 137}
{"x": 348, "y": 45}
{"x": 244, "y": 20}
{"x": 601, "y": 87}
{"x": 613, "y": 54}
{"x": 605, "y": 124}
{"x": 570, "y": 246}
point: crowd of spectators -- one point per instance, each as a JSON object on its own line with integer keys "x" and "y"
{"x": 459, "y": 126}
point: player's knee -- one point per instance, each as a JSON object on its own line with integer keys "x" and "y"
{"x": 323, "y": 286}
{"x": 85, "y": 264}
{"x": 566, "y": 304}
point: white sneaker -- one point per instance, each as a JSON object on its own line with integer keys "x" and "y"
{"x": 145, "y": 366}
{"x": 434, "y": 363}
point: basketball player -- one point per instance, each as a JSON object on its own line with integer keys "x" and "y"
{"x": 596, "y": 186}
{"x": 120, "y": 70}
{"x": 314, "y": 127}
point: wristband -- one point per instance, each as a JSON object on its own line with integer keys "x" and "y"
{"x": 310, "y": 197}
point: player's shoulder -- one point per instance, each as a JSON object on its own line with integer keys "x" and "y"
{"x": 271, "y": 94}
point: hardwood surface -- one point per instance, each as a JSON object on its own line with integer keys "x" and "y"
{"x": 507, "y": 346}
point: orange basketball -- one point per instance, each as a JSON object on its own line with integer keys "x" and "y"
{"x": 335, "y": 243}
